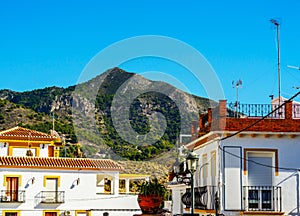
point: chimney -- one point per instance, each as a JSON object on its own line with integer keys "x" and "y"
{"x": 289, "y": 110}
{"x": 222, "y": 114}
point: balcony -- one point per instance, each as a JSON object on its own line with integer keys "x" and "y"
{"x": 204, "y": 197}
{"x": 9, "y": 196}
{"x": 262, "y": 198}
{"x": 51, "y": 197}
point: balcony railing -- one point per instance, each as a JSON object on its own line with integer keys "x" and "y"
{"x": 51, "y": 197}
{"x": 257, "y": 110}
{"x": 296, "y": 110}
{"x": 12, "y": 196}
{"x": 262, "y": 198}
{"x": 204, "y": 197}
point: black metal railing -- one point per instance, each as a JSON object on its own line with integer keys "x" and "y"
{"x": 296, "y": 110}
{"x": 204, "y": 197}
{"x": 262, "y": 198}
{"x": 12, "y": 196}
{"x": 51, "y": 197}
{"x": 255, "y": 110}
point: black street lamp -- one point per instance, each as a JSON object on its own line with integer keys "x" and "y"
{"x": 183, "y": 172}
{"x": 192, "y": 162}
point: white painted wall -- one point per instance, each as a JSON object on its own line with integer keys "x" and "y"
{"x": 44, "y": 151}
{"x": 77, "y": 197}
{"x": 177, "y": 192}
{"x": 288, "y": 156}
{"x": 210, "y": 180}
{"x": 3, "y": 149}
{"x": 233, "y": 179}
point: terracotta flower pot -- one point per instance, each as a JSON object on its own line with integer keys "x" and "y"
{"x": 149, "y": 204}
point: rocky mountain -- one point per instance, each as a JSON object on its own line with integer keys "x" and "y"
{"x": 116, "y": 114}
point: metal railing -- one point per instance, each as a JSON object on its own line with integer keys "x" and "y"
{"x": 204, "y": 197}
{"x": 262, "y": 198}
{"x": 255, "y": 110}
{"x": 51, "y": 197}
{"x": 296, "y": 110}
{"x": 12, "y": 196}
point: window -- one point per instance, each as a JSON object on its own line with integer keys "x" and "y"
{"x": 51, "y": 213}
{"x": 82, "y": 213}
{"x": 51, "y": 193}
{"x": 23, "y": 151}
{"x": 266, "y": 199}
{"x": 122, "y": 186}
{"x": 12, "y": 187}
{"x": 129, "y": 185}
{"x": 253, "y": 199}
{"x": 51, "y": 179}
{"x": 204, "y": 169}
{"x": 12, "y": 184}
{"x": 11, "y": 213}
{"x": 213, "y": 163}
{"x": 271, "y": 152}
{"x": 51, "y": 189}
{"x": 259, "y": 181}
{"x": 104, "y": 184}
{"x": 260, "y": 198}
{"x": 259, "y": 168}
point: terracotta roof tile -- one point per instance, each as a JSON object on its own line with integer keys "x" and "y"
{"x": 20, "y": 133}
{"x": 59, "y": 163}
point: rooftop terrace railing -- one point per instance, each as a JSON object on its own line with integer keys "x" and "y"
{"x": 296, "y": 110}
{"x": 237, "y": 110}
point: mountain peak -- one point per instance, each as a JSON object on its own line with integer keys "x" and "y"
{"x": 35, "y": 109}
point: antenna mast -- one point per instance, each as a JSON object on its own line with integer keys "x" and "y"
{"x": 237, "y": 85}
{"x": 277, "y": 25}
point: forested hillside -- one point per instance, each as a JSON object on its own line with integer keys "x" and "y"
{"x": 36, "y": 110}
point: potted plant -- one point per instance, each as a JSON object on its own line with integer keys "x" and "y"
{"x": 151, "y": 195}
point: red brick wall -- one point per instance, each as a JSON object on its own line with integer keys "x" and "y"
{"x": 266, "y": 125}
{"x": 219, "y": 121}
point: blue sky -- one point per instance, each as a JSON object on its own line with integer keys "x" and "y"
{"x": 49, "y": 43}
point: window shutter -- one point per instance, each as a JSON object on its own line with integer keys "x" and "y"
{"x": 259, "y": 175}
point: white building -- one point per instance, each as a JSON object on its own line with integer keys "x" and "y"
{"x": 34, "y": 181}
{"x": 251, "y": 164}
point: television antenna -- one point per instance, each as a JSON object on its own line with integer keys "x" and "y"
{"x": 237, "y": 85}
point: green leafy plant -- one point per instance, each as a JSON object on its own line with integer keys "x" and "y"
{"x": 153, "y": 187}
{"x": 151, "y": 195}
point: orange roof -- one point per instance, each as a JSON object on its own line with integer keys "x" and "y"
{"x": 58, "y": 163}
{"x": 19, "y": 133}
